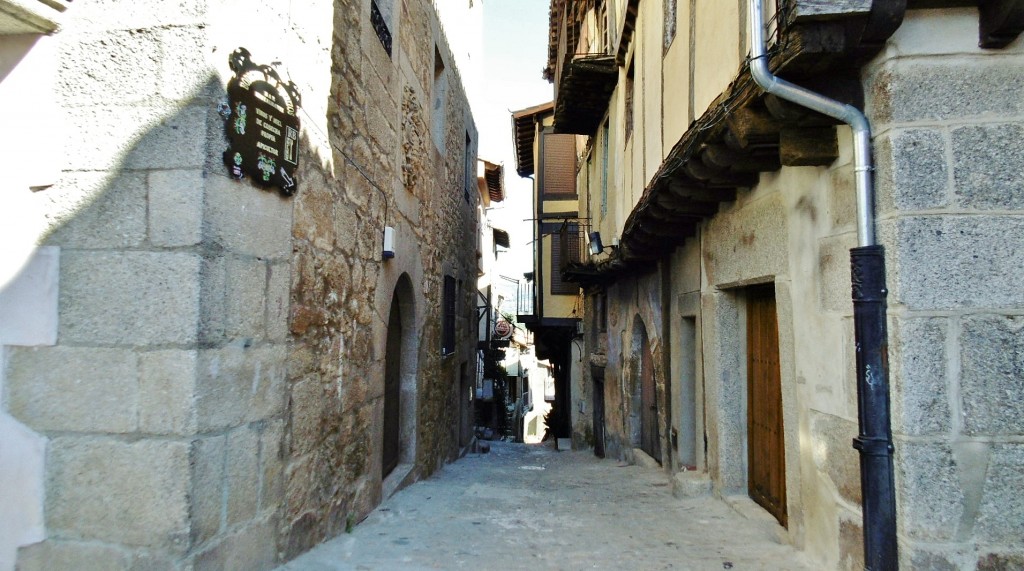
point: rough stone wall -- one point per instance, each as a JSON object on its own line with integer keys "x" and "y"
{"x": 949, "y": 118}
{"x": 387, "y": 172}
{"x": 632, "y": 302}
{"x": 213, "y": 396}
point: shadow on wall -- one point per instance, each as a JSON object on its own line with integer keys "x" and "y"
{"x": 157, "y": 382}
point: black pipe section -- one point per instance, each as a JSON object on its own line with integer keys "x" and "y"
{"x": 874, "y": 441}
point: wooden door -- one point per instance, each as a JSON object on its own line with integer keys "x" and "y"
{"x": 392, "y": 390}
{"x": 765, "y": 444}
{"x": 599, "y": 417}
{"x": 649, "y": 437}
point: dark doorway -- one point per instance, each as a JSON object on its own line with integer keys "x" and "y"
{"x": 765, "y": 443}
{"x": 392, "y": 390}
{"x": 650, "y": 441}
{"x": 599, "y": 417}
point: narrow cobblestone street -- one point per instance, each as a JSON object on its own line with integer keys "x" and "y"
{"x": 530, "y": 507}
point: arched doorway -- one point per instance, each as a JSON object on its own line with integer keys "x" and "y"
{"x": 644, "y": 416}
{"x": 399, "y": 398}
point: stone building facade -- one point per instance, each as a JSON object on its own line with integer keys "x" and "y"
{"x": 719, "y": 324}
{"x": 198, "y": 373}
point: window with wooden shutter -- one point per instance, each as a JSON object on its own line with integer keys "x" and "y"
{"x": 558, "y": 167}
{"x": 565, "y": 248}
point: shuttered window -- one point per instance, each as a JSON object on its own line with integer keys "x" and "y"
{"x": 558, "y": 167}
{"x": 565, "y": 248}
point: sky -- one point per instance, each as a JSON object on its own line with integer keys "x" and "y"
{"x": 515, "y": 53}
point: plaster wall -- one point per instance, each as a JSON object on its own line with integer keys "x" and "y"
{"x": 794, "y": 223}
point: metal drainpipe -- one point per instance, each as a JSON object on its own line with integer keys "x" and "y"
{"x": 868, "y": 277}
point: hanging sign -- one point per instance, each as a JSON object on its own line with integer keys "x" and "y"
{"x": 262, "y": 125}
{"x": 502, "y": 329}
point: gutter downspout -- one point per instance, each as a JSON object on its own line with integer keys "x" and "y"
{"x": 868, "y": 278}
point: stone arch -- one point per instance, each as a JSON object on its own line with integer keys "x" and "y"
{"x": 401, "y": 360}
{"x": 643, "y": 418}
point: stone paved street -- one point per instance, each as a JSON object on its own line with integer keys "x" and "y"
{"x": 530, "y": 507}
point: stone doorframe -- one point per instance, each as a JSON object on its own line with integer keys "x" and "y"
{"x": 725, "y": 357}
{"x": 405, "y": 296}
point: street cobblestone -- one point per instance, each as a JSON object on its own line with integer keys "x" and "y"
{"x": 531, "y": 507}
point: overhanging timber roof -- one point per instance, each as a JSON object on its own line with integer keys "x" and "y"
{"x": 584, "y": 91}
{"x": 524, "y": 131}
{"x": 743, "y": 133}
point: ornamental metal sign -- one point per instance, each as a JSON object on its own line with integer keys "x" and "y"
{"x": 262, "y": 125}
{"x": 502, "y": 329}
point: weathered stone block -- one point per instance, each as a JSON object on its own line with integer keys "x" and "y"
{"x": 912, "y": 170}
{"x": 166, "y": 391}
{"x": 253, "y": 548}
{"x": 128, "y": 14}
{"x": 121, "y": 66}
{"x": 918, "y": 91}
{"x": 308, "y": 407}
{"x": 184, "y": 70}
{"x": 272, "y": 465}
{"x": 834, "y": 454}
{"x": 129, "y": 298}
{"x": 248, "y": 220}
{"x": 842, "y": 198}
{"x": 1000, "y": 562}
{"x": 97, "y": 210}
{"x": 988, "y": 168}
{"x": 992, "y": 366}
{"x": 243, "y": 474}
{"x": 920, "y": 387}
{"x": 129, "y": 493}
{"x": 54, "y": 554}
{"x": 279, "y": 278}
{"x": 244, "y": 297}
{"x": 935, "y": 557}
{"x": 314, "y": 211}
{"x": 954, "y": 262}
{"x": 207, "y": 457}
{"x": 930, "y": 501}
{"x": 135, "y": 138}
{"x": 834, "y": 292}
{"x": 238, "y": 384}
{"x": 73, "y": 389}
{"x": 851, "y": 545}
{"x": 175, "y": 207}
{"x": 748, "y": 240}
{"x": 1001, "y": 516}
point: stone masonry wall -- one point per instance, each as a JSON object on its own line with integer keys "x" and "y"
{"x": 387, "y": 172}
{"x": 951, "y": 197}
{"x": 213, "y": 398}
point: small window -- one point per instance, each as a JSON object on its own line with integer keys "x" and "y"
{"x": 380, "y": 17}
{"x": 558, "y": 167}
{"x": 565, "y": 248}
{"x": 470, "y": 174}
{"x": 448, "y": 302}
{"x": 439, "y": 103}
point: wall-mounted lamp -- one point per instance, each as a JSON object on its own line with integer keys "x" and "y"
{"x": 595, "y": 244}
{"x": 389, "y": 242}
{"x": 596, "y": 247}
